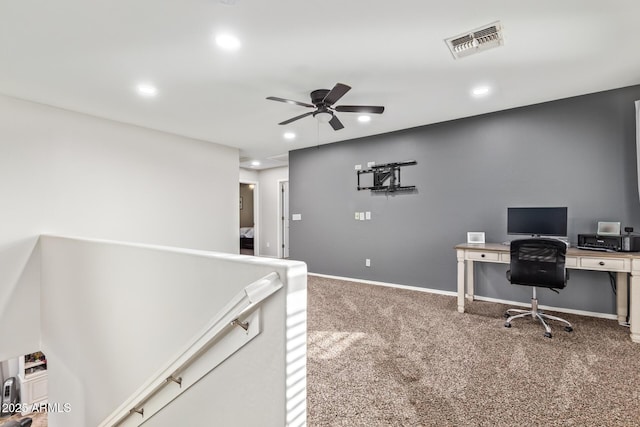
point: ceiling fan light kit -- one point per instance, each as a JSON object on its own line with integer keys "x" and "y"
{"x": 322, "y": 101}
{"x": 323, "y": 116}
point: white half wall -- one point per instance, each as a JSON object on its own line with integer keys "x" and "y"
{"x": 68, "y": 173}
{"x": 116, "y": 313}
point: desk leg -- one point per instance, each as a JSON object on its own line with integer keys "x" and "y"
{"x": 621, "y": 297}
{"x": 461, "y": 274}
{"x": 470, "y": 291}
{"x": 635, "y": 300}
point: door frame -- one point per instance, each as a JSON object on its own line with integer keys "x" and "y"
{"x": 280, "y": 230}
{"x": 256, "y": 216}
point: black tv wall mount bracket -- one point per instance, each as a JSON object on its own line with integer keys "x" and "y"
{"x": 387, "y": 172}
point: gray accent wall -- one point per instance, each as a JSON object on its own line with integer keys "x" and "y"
{"x": 577, "y": 152}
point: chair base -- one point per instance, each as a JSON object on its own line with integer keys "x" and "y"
{"x": 537, "y": 315}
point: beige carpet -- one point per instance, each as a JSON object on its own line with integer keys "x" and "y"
{"x": 381, "y": 356}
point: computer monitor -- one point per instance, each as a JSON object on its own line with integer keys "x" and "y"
{"x": 540, "y": 221}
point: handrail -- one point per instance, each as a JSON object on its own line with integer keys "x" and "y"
{"x": 230, "y": 316}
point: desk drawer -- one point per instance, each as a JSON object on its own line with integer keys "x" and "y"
{"x": 483, "y": 256}
{"x": 602, "y": 263}
{"x": 571, "y": 262}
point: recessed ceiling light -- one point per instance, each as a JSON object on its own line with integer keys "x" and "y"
{"x": 289, "y": 135}
{"x": 146, "y": 89}
{"x": 255, "y": 163}
{"x": 364, "y": 119}
{"x": 228, "y": 41}
{"x": 481, "y": 91}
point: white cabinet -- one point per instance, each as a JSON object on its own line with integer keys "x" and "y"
{"x": 32, "y": 376}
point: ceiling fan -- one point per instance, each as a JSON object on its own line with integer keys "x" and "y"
{"x": 322, "y": 101}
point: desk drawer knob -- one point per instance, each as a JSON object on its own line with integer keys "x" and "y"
{"x": 601, "y": 263}
{"x": 482, "y": 255}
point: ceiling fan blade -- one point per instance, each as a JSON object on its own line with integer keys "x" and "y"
{"x": 286, "y": 122}
{"x": 335, "y": 123}
{"x": 289, "y": 101}
{"x": 336, "y": 93}
{"x": 360, "y": 109}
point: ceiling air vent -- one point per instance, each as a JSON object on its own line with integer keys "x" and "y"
{"x": 475, "y": 41}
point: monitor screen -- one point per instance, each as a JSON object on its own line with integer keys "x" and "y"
{"x": 537, "y": 221}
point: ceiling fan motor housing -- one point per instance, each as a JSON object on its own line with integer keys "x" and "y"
{"x": 318, "y": 95}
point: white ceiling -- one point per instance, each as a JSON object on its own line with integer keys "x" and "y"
{"x": 89, "y": 55}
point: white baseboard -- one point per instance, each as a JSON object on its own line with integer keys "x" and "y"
{"x": 477, "y": 297}
{"x": 389, "y": 285}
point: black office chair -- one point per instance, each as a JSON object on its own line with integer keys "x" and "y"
{"x": 537, "y": 263}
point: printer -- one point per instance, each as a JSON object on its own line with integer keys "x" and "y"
{"x": 619, "y": 243}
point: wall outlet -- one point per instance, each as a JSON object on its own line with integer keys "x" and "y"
{"x": 370, "y": 164}
{"x": 296, "y": 217}
{"x": 268, "y": 244}
{"x": 358, "y": 167}
{"x": 367, "y": 262}
{"x": 361, "y": 216}
{"x": 367, "y": 215}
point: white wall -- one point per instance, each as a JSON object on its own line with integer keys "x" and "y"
{"x": 247, "y": 175}
{"x": 73, "y": 174}
{"x": 119, "y": 313}
{"x": 269, "y": 199}
{"x": 8, "y": 368}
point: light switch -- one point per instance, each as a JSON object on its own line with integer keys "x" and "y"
{"x": 357, "y": 215}
{"x": 296, "y": 217}
{"x": 367, "y": 262}
{"x": 367, "y": 215}
{"x": 361, "y": 216}
{"x": 369, "y": 164}
{"x": 358, "y": 167}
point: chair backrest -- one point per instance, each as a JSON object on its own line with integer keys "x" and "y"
{"x": 538, "y": 262}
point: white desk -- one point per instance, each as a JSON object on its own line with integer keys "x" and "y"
{"x": 621, "y": 263}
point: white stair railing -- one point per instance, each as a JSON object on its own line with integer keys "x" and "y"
{"x": 233, "y": 327}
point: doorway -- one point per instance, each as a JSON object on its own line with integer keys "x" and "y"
{"x": 283, "y": 223}
{"x": 249, "y": 218}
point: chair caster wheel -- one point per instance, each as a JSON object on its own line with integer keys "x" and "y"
{"x": 507, "y": 324}
{"x": 568, "y": 328}
{"x": 547, "y": 335}
{"x": 506, "y": 315}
